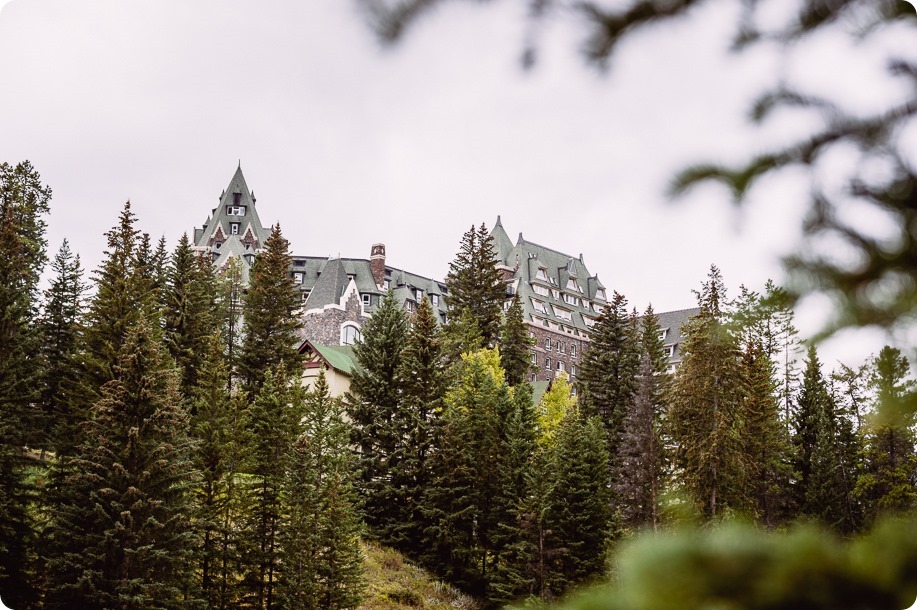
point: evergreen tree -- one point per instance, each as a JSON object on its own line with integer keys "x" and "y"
{"x": 60, "y": 329}
{"x": 273, "y": 421}
{"x": 888, "y": 483}
{"x": 766, "y": 443}
{"x": 220, "y": 438}
{"x": 270, "y": 322}
{"x": 475, "y": 283}
{"x": 515, "y": 344}
{"x": 190, "y": 313}
{"x": 373, "y": 406}
{"x": 23, "y": 207}
{"x": 229, "y": 309}
{"x": 322, "y": 564}
{"x": 464, "y": 504}
{"x": 579, "y": 503}
{"x": 608, "y": 371}
{"x": 461, "y": 335}
{"x": 421, "y": 377}
{"x": 705, "y": 411}
{"x": 120, "y": 533}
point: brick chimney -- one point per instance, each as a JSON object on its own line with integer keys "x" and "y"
{"x": 377, "y": 264}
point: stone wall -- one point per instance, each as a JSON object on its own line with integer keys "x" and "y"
{"x": 324, "y": 327}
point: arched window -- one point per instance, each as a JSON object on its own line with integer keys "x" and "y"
{"x": 350, "y": 334}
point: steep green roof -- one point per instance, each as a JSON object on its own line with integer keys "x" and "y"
{"x": 339, "y": 357}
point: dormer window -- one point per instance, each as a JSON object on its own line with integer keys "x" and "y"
{"x": 249, "y": 258}
{"x": 218, "y": 245}
{"x": 539, "y": 289}
{"x": 570, "y": 299}
{"x": 542, "y": 274}
{"x": 235, "y": 210}
{"x": 237, "y": 198}
{"x": 600, "y": 294}
{"x": 298, "y": 277}
{"x": 418, "y": 294}
{"x": 234, "y": 228}
{"x": 367, "y": 300}
{"x": 434, "y": 299}
{"x": 662, "y": 333}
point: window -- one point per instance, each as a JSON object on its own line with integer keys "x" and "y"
{"x": 563, "y": 314}
{"x": 560, "y": 366}
{"x": 387, "y": 283}
{"x": 573, "y": 350}
{"x": 572, "y": 370}
{"x": 234, "y": 228}
{"x": 534, "y": 376}
{"x": 590, "y": 322}
{"x": 573, "y": 391}
{"x": 542, "y": 274}
{"x": 434, "y": 298}
{"x": 297, "y": 277}
{"x": 367, "y": 300}
{"x": 235, "y": 210}
{"x": 539, "y": 289}
{"x": 547, "y": 344}
{"x": 539, "y": 306}
{"x": 600, "y": 294}
{"x": 562, "y": 348}
{"x": 249, "y": 258}
{"x": 410, "y": 306}
{"x": 534, "y": 358}
{"x": 572, "y": 285}
{"x": 569, "y": 298}
{"x": 218, "y": 245}
{"x": 418, "y": 293}
{"x": 555, "y": 293}
{"x": 662, "y": 333}
{"x": 669, "y": 350}
{"x": 547, "y": 363}
{"x": 350, "y": 334}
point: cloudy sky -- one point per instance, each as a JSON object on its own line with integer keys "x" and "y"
{"x": 346, "y": 143}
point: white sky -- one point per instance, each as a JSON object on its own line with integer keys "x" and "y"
{"x": 347, "y": 144}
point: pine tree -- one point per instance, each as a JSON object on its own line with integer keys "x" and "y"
{"x": 421, "y": 377}
{"x": 475, "y": 283}
{"x": 704, "y": 414}
{"x": 608, "y": 371}
{"x": 270, "y": 322}
{"x": 322, "y": 565}
{"x": 219, "y": 440}
{"x": 23, "y": 207}
{"x": 373, "y": 406}
{"x": 515, "y": 344}
{"x": 229, "y": 309}
{"x": 60, "y": 326}
{"x": 120, "y": 532}
{"x": 190, "y": 312}
{"x": 579, "y": 511}
{"x": 273, "y": 421}
{"x": 888, "y": 483}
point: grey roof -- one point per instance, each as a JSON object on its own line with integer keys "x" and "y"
{"x": 329, "y": 285}
{"x": 328, "y": 277}
{"x": 502, "y": 243}
{"x": 671, "y": 323}
{"x": 571, "y": 298}
{"x": 249, "y": 236}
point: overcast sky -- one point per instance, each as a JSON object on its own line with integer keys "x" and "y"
{"x": 347, "y": 144}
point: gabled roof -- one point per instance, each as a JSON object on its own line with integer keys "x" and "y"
{"x": 329, "y": 285}
{"x": 339, "y": 357}
{"x": 237, "y": 195}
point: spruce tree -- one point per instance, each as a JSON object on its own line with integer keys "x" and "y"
{"x": 515, "y": 344}
{"x": 120, "y": 533}
{"x": 23, "y": 207}
{"x": 190, "y": 314}
{"x": 888, "y": 482}
{"x": 373, "y": 406}
{"x": 705, "y": 411}
{"x": 475, "y": 283}
{"x": 579, "y": 510}
{"x": 60, "y": 327}
{"x": 219, "y": 436}
{"x": 273, "y": 422}
{"x": 608, "y": 371}
{"x": 322, "y": 565}
{"x": 421, "y": 377}
{"x": 270, "y": 321}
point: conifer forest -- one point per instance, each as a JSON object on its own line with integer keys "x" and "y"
{"x": 159, "y": 450}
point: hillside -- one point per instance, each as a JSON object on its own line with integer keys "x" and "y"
{"x": 394, "y": 583}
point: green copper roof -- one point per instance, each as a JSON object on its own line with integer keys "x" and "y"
{"x": 339, "y": 357}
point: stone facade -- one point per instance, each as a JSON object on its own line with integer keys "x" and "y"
{"x": 324, "y": 326}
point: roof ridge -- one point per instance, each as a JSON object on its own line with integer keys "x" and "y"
{"x": 531, "y": 243}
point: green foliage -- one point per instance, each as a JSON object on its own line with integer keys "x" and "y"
{"x": 555, "y": 404}
{"x": 607, "y": 377}
{"x": 322, "y": 563}
{"x": 23, "y": 207}
{"x": 373, "y": 406}
{"x": 742, "y": 567}
{"x": 475, "y": 284}
{"x": 120, "y": 533}
{"x": 515, "y": 344}
{"x": 190, "y": 315}
{"x": 270, "y": 322}
{"x": 61, "y": 332}
{"x": 705, "y": 413}
{"x": 273, "y": 421}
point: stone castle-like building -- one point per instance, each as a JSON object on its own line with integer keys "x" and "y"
{"x": 561, "y": 299}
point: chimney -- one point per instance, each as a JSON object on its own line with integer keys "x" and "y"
{"x": 377, "y": 264}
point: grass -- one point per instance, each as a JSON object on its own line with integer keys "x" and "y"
{"x": 394, "y": 583}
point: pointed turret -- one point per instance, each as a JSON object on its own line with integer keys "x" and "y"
{"x": 502, "y": 245}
